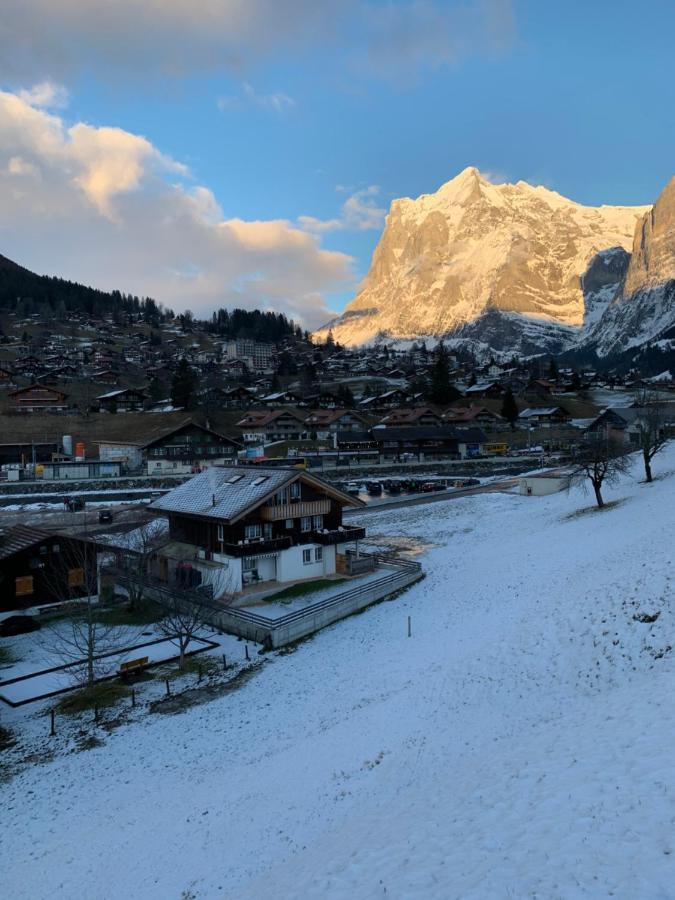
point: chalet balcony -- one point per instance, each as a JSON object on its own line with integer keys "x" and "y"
{"x": 255, "y": 547}
{"x": 295, "y": 510}
{"x": 338, "y": 536}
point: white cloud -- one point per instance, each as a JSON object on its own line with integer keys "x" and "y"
{"x": 277, "y": 102}
{"x": 359, "y": 212}
{"x": 138, "y": 38}
{"x": 46, "y": 94}
{"x": 106, "y": 207}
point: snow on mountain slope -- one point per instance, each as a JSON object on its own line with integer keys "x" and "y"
{"x": 644, "y": 307}
{"x": 444, "y": 259}
{"x": 519, "y": 744}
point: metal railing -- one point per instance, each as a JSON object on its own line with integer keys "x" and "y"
{"x": 407, "y": 568}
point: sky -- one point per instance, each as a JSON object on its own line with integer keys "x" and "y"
{"x": 245, "y": 152}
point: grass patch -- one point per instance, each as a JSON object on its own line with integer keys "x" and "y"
{"x": 6, "y": 656}
{"x": 299, "y": 590}
{"x": 104, "y": 694}
{"x": 209, "y": 665}
{"x": 592, "y": 510}
{"x": 148, "y": 614}
{"x": 7, "y": 738}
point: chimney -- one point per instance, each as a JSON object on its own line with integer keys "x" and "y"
{"x": 213, "y": 499}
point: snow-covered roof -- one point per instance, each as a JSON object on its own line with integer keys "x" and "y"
{"x": 226, "y": 493}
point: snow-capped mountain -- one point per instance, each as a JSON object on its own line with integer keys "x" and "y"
{"x": 642, "y": 309}
{"x": 507, "y": 267}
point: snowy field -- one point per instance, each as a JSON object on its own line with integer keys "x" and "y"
{"x": 518, "y": 745}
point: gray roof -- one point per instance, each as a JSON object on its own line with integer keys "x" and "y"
{"x": 225, "y": 492}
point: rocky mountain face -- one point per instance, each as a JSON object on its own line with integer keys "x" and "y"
{"x": 517, "y": 269}
{"x": 643, "y": 307}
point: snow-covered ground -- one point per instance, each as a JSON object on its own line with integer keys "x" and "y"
{"x": 519, "y": 744}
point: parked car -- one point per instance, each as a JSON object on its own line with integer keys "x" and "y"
{"x": 105, "y": 517}
{"x": 18, "y": 625}
{"x": 465, "y": 482}
{"x": 374, "y": 488}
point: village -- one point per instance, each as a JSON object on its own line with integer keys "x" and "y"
{"x": 139, "y": 532}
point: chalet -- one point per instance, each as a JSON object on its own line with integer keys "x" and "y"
{"x": 237, "y": 526}
{"x": 424, "y": 442}
{"x": 545, "y": 416}
{"x": 238, "y": 397}
{"x": 283, "y": 398}
{"x": 106, "y": 376}
{"x": 180, "y": 450}
{"x": 473, "y": 415}
{"x": 484, "y": 390}
{"x": 421, "y": 415}
{"x": 428, "y": 442}
{"x": 38, "y": 398}
{"x": 188, "y": 448}
{"x": 624, "y": 424}
{"x": 122, "y": 400}
{"x": 272, "y": 425}
{"x": 327, "y": 422}
{"x": 39, "y": 567}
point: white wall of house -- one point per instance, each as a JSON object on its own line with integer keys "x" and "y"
{"x": 132, "y": 453}
{"x": 292, "y": 567}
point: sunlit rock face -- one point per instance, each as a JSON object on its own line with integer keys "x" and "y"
{"x": 446, "y": 262}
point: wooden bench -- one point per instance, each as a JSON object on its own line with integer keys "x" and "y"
{"x": 133, "y": 665}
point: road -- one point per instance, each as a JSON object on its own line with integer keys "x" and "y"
{"x": 505, "y": 484}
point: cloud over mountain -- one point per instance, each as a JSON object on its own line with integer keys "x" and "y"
{"x": 105, "y": 206}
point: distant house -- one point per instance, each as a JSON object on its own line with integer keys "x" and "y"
{"x": 237, "y": 526}
{"x": 188, "y": 448}
{"x": 123, "y": 400}
{"x": 621, "y": 424}
{"x": 484, "y": 390}
{"x": 473, "y": 415}
{"x": 421, "y": 415}
{"x": 179, "y": 450}
{"x": 424, "y": 442}
{"x": 6, "y": 378}
{"x": 327, "y": 422}
{"x": 544, "y": 416}
{"x": 38, "y": 398}
{"x": 283, "y": 398}
{"x": 272, "y": 425}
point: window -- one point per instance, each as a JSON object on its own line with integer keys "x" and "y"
{"x": 248, "y": 563}
{"x": 289, "y": 524}
{"x": 261, "y": 479}
{"x": 56, "y": 548}
{"x": 234, "y": 479}
{"x": 220, "y": 533}
{"x": 267, "y": 530}
{"x": 75, "y": 577}
{"x": 43, "y": 550}
{"x": 306, "y": 557}
{"x": 318, "y": 554}
{"x": 317, "y": 522}
{"x": 24, "y": 586}
{"x": 282, "y": 497}
{"x": 252, "y": 531}
{"x": 306, "y": 523}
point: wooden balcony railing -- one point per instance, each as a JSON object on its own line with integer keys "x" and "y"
{"x": 295, "y": 510}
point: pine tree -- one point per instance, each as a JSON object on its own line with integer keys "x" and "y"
{"x": 441, "y": 390}
{"x": 509, "y": 407}
{"x": 183, "y": 385}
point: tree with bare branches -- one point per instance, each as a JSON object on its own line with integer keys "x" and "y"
{"x": 82, "y": 638}
{"x": 651, "y": 427}
{"x": 182, "y": 621}
{"x": 601, "y": 461}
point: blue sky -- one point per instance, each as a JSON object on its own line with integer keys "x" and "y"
{"x": 287, "y": 110}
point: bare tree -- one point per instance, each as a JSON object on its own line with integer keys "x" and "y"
{"x": 600, "y": 461}
{"x": 134, "y": 562}
{"x": 82, "y": 638}
{"x": 183, "y": 619}
{"x": 651, "y": 426}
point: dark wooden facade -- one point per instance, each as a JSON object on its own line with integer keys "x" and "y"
{"x": 38, "y": 568}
